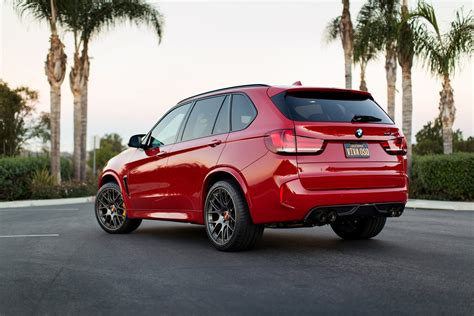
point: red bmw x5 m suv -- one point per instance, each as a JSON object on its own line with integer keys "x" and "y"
{"x": 240, "y": 159}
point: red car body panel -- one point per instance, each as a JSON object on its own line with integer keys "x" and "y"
{"x": 170, "y": 182}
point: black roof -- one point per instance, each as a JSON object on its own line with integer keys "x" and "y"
{"x": 222, "y": 89}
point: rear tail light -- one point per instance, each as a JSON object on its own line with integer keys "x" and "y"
{"x": 286, "y": 142}
{"x": 396, "y": 146}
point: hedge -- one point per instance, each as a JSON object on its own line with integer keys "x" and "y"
{"x": 16, "y": 174}
{"x": 437, "y": 177}
{"x": 443, "y": 177}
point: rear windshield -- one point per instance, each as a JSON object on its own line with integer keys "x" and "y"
{"x": 330, "y": 107}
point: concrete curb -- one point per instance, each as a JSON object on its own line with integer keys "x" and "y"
{"x": 413, "y": 204}
{"x": 50, "y": 202}
{"x": 440, "y": 205}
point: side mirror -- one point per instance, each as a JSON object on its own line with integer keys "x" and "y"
{"x": 136, "y": 141}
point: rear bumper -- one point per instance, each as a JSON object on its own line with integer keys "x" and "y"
{"x": 298, "y": 203}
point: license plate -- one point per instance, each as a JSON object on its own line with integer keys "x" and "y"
{"x": 357, "y": 150}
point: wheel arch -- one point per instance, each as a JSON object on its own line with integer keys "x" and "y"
{"x": 225, "y": 173}
{"x": 111, "y": 176}
{"x": 107, "y": 177}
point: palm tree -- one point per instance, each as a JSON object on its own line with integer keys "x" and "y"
{"x": 442, "y": 54}
{"x": 341, "y": 26}
{"x": 364, "y": 51}
{"x": 86, "y": 18}
{"x": 55, "y": 69}
{"x": 405, "y": 59}
{"x": 381, "y": 19}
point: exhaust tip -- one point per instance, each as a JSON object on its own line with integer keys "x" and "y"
{"x": 323, "y": 218}
{"x": 332, "y": 216}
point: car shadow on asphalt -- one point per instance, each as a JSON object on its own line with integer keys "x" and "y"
{"x": 305, "y": 239}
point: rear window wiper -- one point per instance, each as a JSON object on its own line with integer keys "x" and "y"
{"x": 365, "y": 118}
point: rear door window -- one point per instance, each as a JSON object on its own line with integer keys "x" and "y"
{"x": 331, "y": 107}
{"x": 202, "y": 118}
{"x": 223, "y": 118}
{"x": 243, "y": 112}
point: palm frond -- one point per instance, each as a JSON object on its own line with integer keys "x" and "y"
{"x": 459, "y": 39}
{"x": 38, "y": 9}
{"x": 429, "y": 48}
{"x": 426, "y": 12}
{"x": 333, "y": 30}
{"x": 441, "y": 52}
{"x": 366, "y": 45}
{"x": 90, "y": 17}
{"x": 380, "y": 18}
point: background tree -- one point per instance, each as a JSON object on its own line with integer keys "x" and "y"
{"x": 16, "y": 108}
{"x": 406, "y": 53}
{"x": 86, "y": 19}
{"x": 379, "y": 19}
{"x": 429, "y": 140}
{"x": 110, "y": 146}
{"x": 442, "y": 54}
{"x": 341, "y": 27}
{"x": 41, "y": 130}
{"x": 55, "y": 69}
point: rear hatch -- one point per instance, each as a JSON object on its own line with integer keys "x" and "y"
{"x": 343, "y": 140}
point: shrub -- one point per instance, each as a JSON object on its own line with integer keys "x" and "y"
{"x": 42, "y": 185}
{"x": 17, "y": 173}
{"x": 443, "y": 177}
{"x": 72, "y": 189}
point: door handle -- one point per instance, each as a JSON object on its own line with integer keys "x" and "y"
{"x": 214, "y": 142}
{"x": 162, "y": 154}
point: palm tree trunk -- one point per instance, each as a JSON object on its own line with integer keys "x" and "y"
{"x": 55, "y": 126}
{"x": 405, "y": 60}
{"x": 347, "y": 36}
{"x": 447, "y": 113}
{"x": 85, "y": 86}
{"x": 391, "y": 74}
{"x": 75, "y": 83}
{"x": 84, "y": 132}
{"x": 348, "y": 68}
{"x": 77, "y": 78}
{"x": 76, "y": 158}
{"x": 407, "y": 111}
{"x": 363, "y": 83}
{"x": 55, "y": 69}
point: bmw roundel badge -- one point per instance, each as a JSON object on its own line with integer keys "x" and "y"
{"x": 359, "y": 132}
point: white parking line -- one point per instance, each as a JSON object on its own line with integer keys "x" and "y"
{"x": 39, "y": 209}
{"x": 41, "y": 235}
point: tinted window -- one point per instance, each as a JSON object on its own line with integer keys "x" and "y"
{"x": 166, "y": 131}
{"x": 223, "y": 119}
{"x": 243, "y": 112}
{"x": 202, "y": 118}
{"x": 311, "y": 107}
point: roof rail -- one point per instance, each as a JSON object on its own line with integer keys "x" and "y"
{"x": 222, "y": 89}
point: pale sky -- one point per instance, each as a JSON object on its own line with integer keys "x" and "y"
{"x": 210, "y": 45}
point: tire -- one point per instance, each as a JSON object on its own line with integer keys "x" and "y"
{"x": 359, "y": 228}
{"x": 110, "y": 211}
{"x": 229, "y": 226}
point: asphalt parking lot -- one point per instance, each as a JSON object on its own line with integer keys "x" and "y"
{"x": 422, "y": 263}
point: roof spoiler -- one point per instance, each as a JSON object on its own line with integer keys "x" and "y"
{"x": 272, "y": 91}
